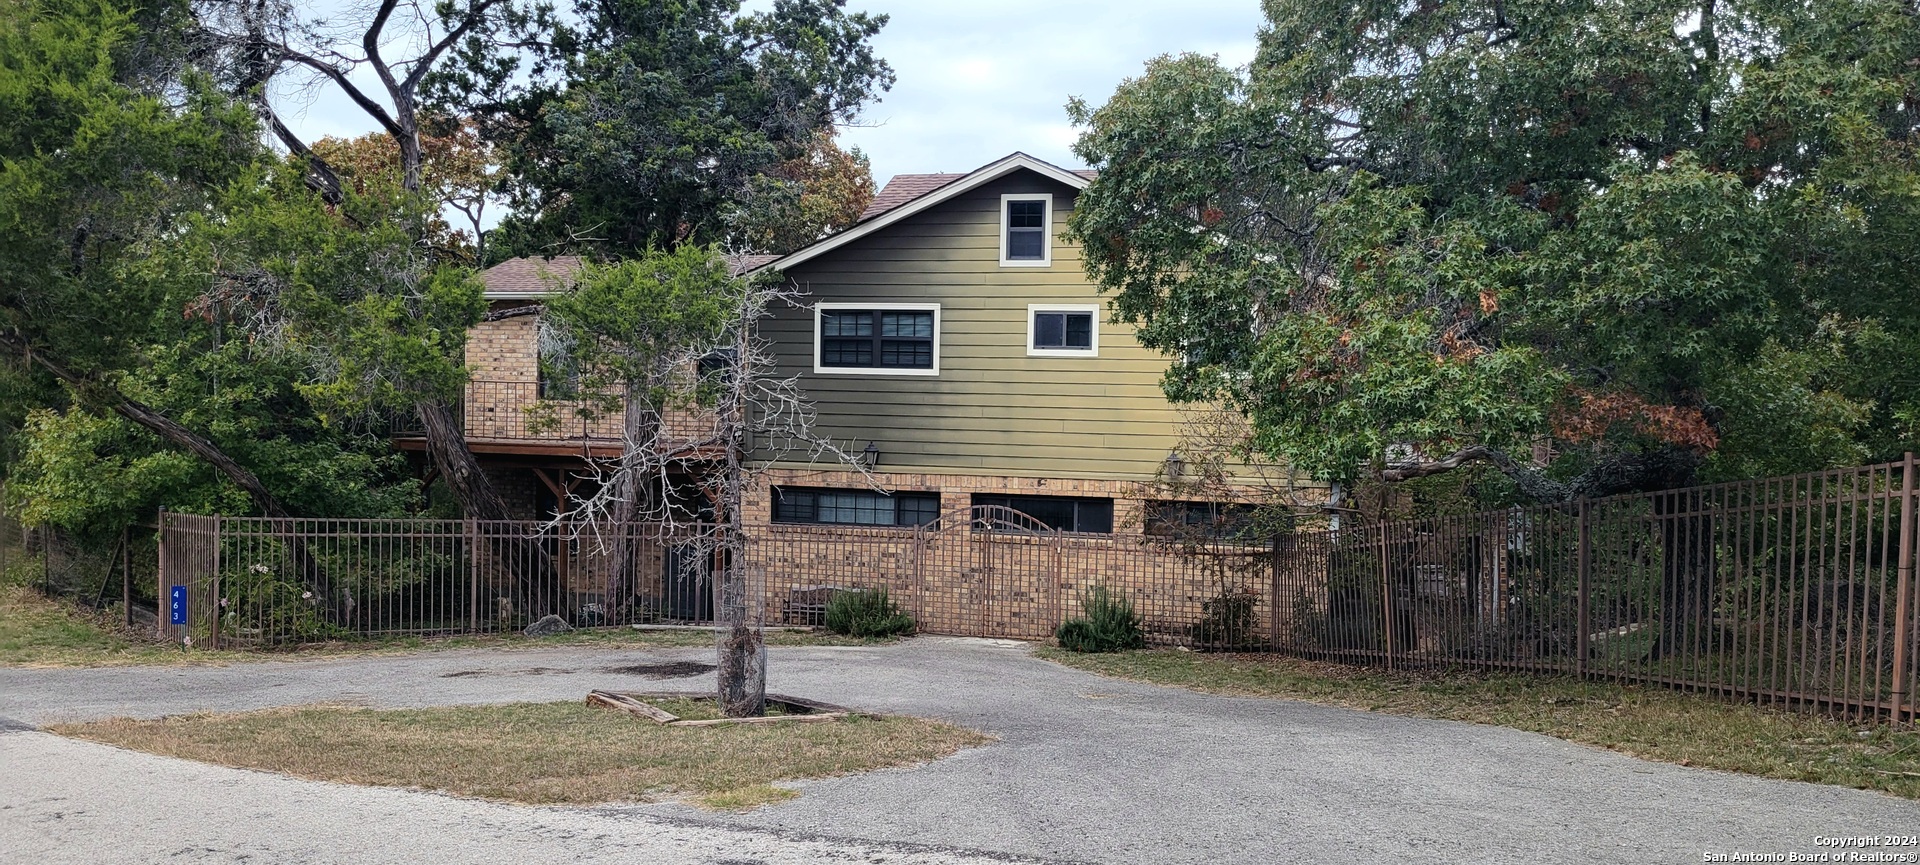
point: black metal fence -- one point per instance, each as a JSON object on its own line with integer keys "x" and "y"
{"x": 1795, "y": 591}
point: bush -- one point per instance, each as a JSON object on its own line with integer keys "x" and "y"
{"x": 866, "y": 613}
{"x": 1110, "y": 625}
{"x": 1228, "y": 622}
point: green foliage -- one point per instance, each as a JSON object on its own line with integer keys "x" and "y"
{"x": 1110, "y": 625}
{"x": 658, "y": 114}
{"x": 866, "y": 613}
{"x": 1227, "y": 621}
{"x": 639, "y": 325}
{"x": 259, "y": 602}
{"x": 1627, "y": 229}
{"x": 804, "y": 199}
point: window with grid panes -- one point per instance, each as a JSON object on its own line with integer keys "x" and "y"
{"x": 1060, "y": 513}
{"x": 854, "y": 507}
{"x": 1027, "y": 230}
{"x": 876, "y": 338}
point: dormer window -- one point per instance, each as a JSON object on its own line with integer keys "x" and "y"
{"x": 1026, "y": 230}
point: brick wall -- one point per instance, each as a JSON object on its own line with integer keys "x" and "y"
{"x": 956, "y": 580}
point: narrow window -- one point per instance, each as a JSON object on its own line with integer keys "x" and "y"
{"x": 854, "y": 507}
{"x": 1059, "y": 513}
{"x": 1220, "y": 521}
{"x": 1026, "y": 224}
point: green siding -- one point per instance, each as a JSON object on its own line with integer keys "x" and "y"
{"x": 992, "y": 409}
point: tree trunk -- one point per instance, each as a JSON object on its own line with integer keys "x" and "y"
{"x": 535, "y": 586}
{"x": 338, "y": 604}
{"x": 742, "y": 648}
{"x": 633, "y": 496}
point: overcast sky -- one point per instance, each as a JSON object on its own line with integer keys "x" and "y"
{"x": 978, "y": 79}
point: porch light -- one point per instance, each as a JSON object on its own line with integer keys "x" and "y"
{"x": 870, "y": 456}
{"x": 1176, "y": 464}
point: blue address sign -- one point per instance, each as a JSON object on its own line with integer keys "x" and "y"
{"x": 179, "y": 605}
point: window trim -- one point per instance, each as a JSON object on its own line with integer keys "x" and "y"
{"x": 777, "y": 490}
{"x": 1093, "y": 340}
{"x": 1046, "y": 229}
{"x": 882, "y": 306}
{"x": 1112, "y": 508}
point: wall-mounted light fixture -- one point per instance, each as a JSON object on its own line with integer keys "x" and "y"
{"x": 870, "y": 456}
{"x": 1176, "y": 465}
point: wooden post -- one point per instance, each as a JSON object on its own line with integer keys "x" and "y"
{"x": 1903, "y": 607}
{"x": 1386, "y": 594}
{"x": 1584, "y": 564}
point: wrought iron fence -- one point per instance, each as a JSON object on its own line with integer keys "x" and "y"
{"x": 976, "y": 571}
{"x": 1795, "y": 591}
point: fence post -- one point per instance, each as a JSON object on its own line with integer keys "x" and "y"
{"x": 126, "y": 580}
{"x": 1386, "y": 595}
{"x": 1273, "y": 629}
{"x": 212, "y": 600}
{"x": 1903, "y": 608}
{"x": 1584, "y": 564}
{"x": 473, "y": 575}
{"x": 160, "y": 578}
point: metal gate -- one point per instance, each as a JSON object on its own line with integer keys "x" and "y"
{"x": 989, "y": 571}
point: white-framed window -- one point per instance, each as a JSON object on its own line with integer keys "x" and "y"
{"x": 876, "y": 338}
{"x": 1026, "y": 230}
{"x": 1063, "y": 330}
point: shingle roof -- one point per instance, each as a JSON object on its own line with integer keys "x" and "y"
{"x": 904, "y": 188}
{"x": 524, "y": 276}
{"x": 530, "y": 275}
{"x": 739, "y": 264}
{"x": 907, "y": 187}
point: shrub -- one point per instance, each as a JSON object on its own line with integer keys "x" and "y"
{"x": 1110, "y": 625}
{"x": 1227, "y": 622}
{"x": 866, "y": 613}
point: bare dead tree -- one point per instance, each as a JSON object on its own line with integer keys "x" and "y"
{"x": 707, "y": 420}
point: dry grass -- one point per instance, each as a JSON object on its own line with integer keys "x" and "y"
{"x": 537, "y": 753}
{"x": 1652, "y": 723}
{"x": 36, "y": 631}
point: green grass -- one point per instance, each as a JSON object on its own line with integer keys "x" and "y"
{"x": 538, "y": 753}
{"x": 1649, "y": 722}
{"x": 39, "y": 632}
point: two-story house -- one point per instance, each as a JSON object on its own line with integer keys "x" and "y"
{"x": 950, "y": 338}
{"x": 950, "y": 335}
{"x": 953, "y": 330}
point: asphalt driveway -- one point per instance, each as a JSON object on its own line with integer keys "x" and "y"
{"x": 1085, "y": 769}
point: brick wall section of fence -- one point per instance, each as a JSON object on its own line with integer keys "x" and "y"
{"x": 1796, "y": 591}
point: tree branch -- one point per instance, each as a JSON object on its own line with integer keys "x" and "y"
{"x": 1532, "y": 484}
{"x": 515, "y": 312}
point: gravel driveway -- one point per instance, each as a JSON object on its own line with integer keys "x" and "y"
{"x": 1086, "y": 769}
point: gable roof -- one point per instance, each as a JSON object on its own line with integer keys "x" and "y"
{"x": 917, "y": 192}
{"x": 902, "y": 189}
{"x": 529, "y": 277}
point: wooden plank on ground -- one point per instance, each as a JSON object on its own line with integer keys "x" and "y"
{"x": 631, "y": 706}
{"x": 764, "y": 719}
